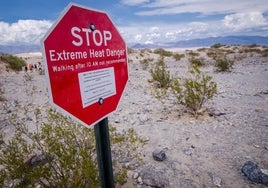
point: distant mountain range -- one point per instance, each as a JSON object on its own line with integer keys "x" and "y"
{"x": 205, "y": 42}
{"x": 12, "y": 49}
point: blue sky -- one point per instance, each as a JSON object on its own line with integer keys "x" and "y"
{"x": 140, "y": 21}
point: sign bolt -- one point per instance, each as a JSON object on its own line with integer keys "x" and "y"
{"x": 92, "y": 27}
{"x": 101, "y": 101}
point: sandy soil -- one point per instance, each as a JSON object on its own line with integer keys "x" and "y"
{"x": 205, "y": 152}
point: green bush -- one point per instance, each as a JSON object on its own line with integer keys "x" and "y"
{"x": 2, "y": 98}
{"x": 217, "y": 45}
{"x": 223, "y": 64}
{"x": 58, "y": 153}
{"x": 194, "y": 92}
{"x": 177, "y": 89}
{"x": 160, "y": 74}
{"x": 216, "y": 53}
{"x": 15, "y": 63}
{"x": 253, "y": 46}
{"x": 130, "y": 51}
{"x": 201, "y": 49}
{"x": 192, "y": 53}
{"x": 163, "y": 52}
{"x": 145, "y": 62}
{"x": 197, "y": 61}
{"x": 178, "y": 57}
{"x": 212, "y": 53}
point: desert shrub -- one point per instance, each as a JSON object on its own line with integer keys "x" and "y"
{"x": 217, "y": 45}
{"x": 252, "y": 45}
{"x": 195, "y": 91}
{"x": 177, "y": 89}
{"x": 192, "y": 53}
{"x": 57, "y": 153}
{"x": 178, "y": 57}
{"x": 130, "y": 51}
{"x": 264, "y": 52}
{"x": 2, "y": 98}
{"x": 15, "y": 63}
{"x": 215, "y": 53}
{"x": 229, "y": 51}
{"x": 223, "y": 64}
{"x": 160, "y": 93}
{"x": 252, "y": 50}
{"x": 197, "y": 61}
{"x": 192, "y": 92}
{"x": 124, "y": 145}
{"x": 211, "y": 53}
{"x": 145, "y": 63}
{"x": 160, "y": 74}
{"x": 201, "y": 49}
{"x": 144, "y": 50}
{"x": 163, "y": 52}
{"x": 142, "y": 53}
{"x": 54, "y": 156}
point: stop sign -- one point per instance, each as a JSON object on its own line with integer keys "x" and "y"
{"x": 85, "y": 63}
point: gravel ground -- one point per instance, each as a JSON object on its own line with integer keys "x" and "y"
{"x": 205, "y": 152}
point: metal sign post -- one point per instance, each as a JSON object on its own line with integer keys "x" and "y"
{"x": 104, "y": 153}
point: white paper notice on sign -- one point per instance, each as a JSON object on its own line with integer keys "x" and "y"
{"x": 96, "y": 85}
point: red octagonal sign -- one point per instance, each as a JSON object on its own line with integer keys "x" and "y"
{"x": 86, "y": 64}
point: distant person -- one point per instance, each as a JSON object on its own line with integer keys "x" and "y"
{"x": 31, "y": 67}
{"x": 39, "y": 66}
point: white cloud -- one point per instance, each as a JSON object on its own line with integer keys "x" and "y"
{"x": 154, "y": 29}
{"x": 205, "y": 7}
{"x": 152, "y": 33}
{"x": 170, "y": 35}
{"x": 134, "y": 2}
{"x": 241, "y": 21}
{"x": 250, "y": 23}
{"x": 241, "y": 18}
{"x": 233, "y": 24}
{"x": 138, "y": 37}
{"x": 23, "y": 31}
{"x": 149, "y": 42}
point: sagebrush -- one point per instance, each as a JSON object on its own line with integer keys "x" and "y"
{"x": 59, "y": 153}
{"x": 195, "y": 91}
{"x": 223, "y": 64}
{"x": 13, "y": 62}
{"x": 160, "y": 74}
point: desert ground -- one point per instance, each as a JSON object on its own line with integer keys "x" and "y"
{"x": 208, "y": 151}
